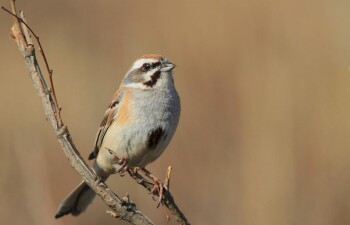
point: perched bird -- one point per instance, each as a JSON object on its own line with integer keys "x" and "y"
{"x": 137, "y": 127}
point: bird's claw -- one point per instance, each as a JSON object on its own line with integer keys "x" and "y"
{"x": 122, "y": 163}
{"x": 123, "y": 166}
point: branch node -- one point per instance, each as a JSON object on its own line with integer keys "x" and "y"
{"x": 126, "y": 198}
{"x": 127, "y": 204}
{"x": 100, "y": 183}
{"x": 62, "y": 131}
{"x": 122, "y": 208}
{"x": 29, "y": 51}
{"x": 112, "y": 214}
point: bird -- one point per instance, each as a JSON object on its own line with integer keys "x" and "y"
{"x": 137, "y": 127}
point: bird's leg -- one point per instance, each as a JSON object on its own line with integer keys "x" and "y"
{"x": 121, "y": 164}
{"x": 158, "y": 185}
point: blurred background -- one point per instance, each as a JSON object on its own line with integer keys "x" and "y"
{"x": 264, "y": 135}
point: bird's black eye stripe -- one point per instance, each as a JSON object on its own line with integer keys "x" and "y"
{"x": 147, "y": 66}
{"x": 156, "y": 64}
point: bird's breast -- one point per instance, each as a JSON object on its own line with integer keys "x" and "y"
{"x": 145, "y": 127}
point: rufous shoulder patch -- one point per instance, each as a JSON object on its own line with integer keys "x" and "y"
{"x": 124, "y": 110}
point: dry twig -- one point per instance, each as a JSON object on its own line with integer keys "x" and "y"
{"x": 124, "y": 210}
{"x": 167, "y": 200}
{"x": 121, "y": 208}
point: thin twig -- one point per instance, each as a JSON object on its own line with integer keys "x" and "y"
{"x": 125, "y": 210}
{"x": 167, "y": 199}
{"x": 122, "y": 209}
{"x": 41, "y": 50}
{"x": 167, "y": 178}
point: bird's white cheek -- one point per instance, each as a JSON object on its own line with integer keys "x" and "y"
{"x": 135, "y": 85}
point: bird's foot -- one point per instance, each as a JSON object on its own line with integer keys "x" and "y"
{"x": 158, "y": 186}
{"x": 123, "y": 166}
{"x": 121, "y": 163}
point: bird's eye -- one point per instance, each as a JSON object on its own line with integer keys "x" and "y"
{"x": 146, "y": 66}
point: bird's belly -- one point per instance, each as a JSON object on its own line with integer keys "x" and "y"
{"x": 140, "y": 142}
{"x": 146, "y": 134}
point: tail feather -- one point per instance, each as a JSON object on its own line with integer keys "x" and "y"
{"x": 81, "y": 197}
{"x": 77, "y": 201}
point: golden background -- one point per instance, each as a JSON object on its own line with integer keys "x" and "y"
{"x": 265, "y": 87}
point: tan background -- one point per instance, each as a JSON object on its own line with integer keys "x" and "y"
{"x": 265, "y": 89}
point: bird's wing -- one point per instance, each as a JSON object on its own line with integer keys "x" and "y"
{"x": 107, "y": 120}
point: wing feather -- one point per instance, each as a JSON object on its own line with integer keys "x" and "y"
{"x": 107, "y": 121}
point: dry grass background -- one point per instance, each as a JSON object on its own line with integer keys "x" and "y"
{"x": 265, "y": 88}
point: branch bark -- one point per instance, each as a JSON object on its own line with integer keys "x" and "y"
{"x": 122, "y": 207}
{"x": 168, "y": 200}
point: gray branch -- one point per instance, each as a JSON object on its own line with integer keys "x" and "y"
{"x": 121, "y": 208}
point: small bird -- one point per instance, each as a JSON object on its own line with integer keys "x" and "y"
{"x": 137, "y": 127}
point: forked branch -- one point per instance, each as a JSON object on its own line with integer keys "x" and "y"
{"x": 122, "y": 208}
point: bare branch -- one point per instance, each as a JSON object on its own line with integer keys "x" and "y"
{"x": 167, "y": 200}
{"x": 122, "y": 208}
{"x": 22, "y": 26}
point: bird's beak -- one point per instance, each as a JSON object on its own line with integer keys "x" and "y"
{"x": 167, "y": 66}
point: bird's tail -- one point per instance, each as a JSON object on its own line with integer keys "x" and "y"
{"x": 77, "y": 201}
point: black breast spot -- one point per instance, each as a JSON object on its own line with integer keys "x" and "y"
{"x": 154, "y": 137}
